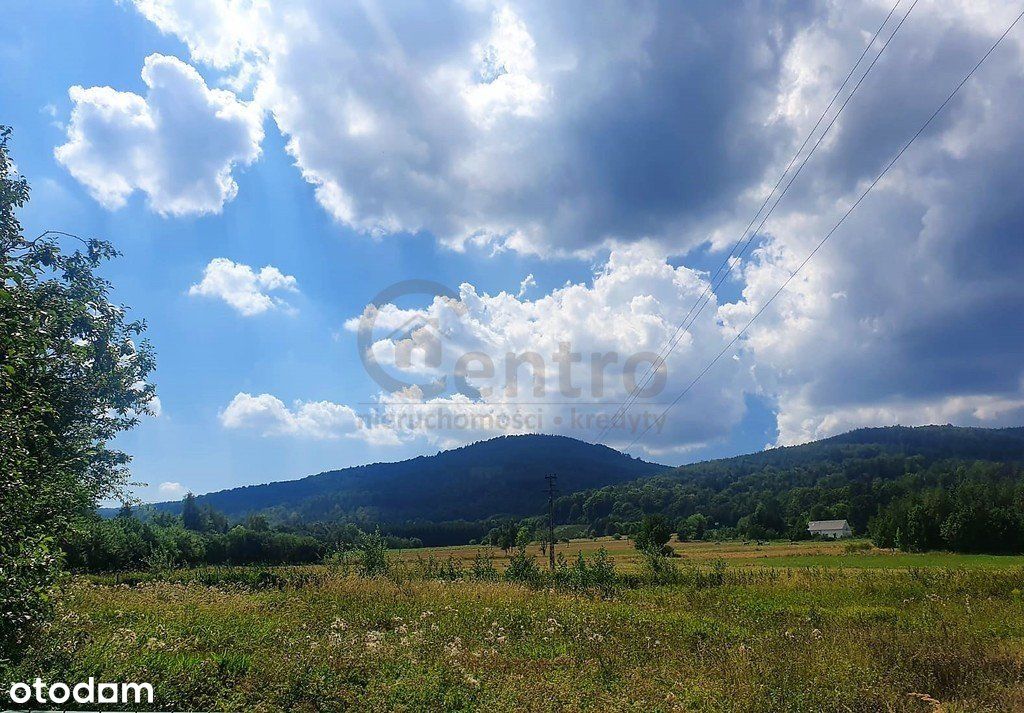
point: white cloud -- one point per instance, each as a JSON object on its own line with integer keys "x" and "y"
{"x": 528, "y": 283}
{"x": 506, "y": 62}
{"x": 911, "y": 313}
{"x": 171, "y": 489}
{"x": 511, "y": 123}
{"x": 632, "y": 307}
{"x": 220, "y": 33}
{"x": 245, "y": 289}
{"x": 803, "y": 420}
{"x": 178, "y": 144}
{"x": 268, "y": 415}
{"x": 522, "y": 126}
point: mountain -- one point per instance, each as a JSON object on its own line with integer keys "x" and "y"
{"x": 991, "y": 444}
{"x": 501, "y": 476}
{"x": 856, "y": 476}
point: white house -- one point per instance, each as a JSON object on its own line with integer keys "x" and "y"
{"x": 830, "y": 528}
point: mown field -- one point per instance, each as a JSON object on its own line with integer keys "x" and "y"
{"x": 929, "y": 632}
{"x": 841, "y": 554}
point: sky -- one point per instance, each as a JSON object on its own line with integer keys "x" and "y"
{"x": 366, "y": 231}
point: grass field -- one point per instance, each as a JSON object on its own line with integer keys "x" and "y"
{"x": 834, "y": 631}
{"x": 774, "y": 554}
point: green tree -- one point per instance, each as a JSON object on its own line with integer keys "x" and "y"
{"x": 191, "y": 516}
{"x": 524, "y": 536}
{"x": 504, "y": 535}
{"x": 693, "y": 527}
{"x": 72, "y": 376}
{"x": 653, "y": 534}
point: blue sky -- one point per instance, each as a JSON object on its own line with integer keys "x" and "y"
{"x": 474, "y": 145}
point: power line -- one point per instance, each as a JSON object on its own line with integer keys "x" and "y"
{"x": 704, "y": 297}
{"x": 834, "y": 228}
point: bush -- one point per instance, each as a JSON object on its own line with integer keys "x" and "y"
{"x": 73, "y": 371}
{"x": 522, "y": 568}
{"x": 483, "y": 567}
{"x": 26, "y": 583}
{"x": 581, "y": 575}
{"x": 374, "y": 556}
{"x": 653, "y": 534}
{"x": 658, "y": 569}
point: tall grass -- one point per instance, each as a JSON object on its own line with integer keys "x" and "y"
{"x": 437, "y": 634}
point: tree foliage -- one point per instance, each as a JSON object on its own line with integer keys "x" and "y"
{"x": 886, "y": 473}
{"x": 653, "y": 534}
{"x": 73, "y": 374}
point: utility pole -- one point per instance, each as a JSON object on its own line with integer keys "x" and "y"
{"x": 551, "y": 519}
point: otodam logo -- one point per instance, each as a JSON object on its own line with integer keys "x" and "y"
{"x": 85, "y": 692}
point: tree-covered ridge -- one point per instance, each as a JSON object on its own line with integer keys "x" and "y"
{"x": 498, "y": 477}
{"x": 859, "y": 476}
{"x": 885, "y": 481}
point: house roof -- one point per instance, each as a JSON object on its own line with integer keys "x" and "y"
{"x": 827, "y": 525}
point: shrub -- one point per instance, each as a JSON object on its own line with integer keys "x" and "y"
{"x": 657, "y": 569}
{"x": 483, "y": 567}
{"x": 373, "y": 550}
{"x": 73, "y": 371}
{"x": 522, "y": 568}
{"x": 653, "y": 534}
{"x": 581, "y": 575}
{"x": 26, "y": 583}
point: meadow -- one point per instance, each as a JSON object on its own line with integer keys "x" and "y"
{"x": 734, "y": 630}
{"x": 806, "y": 553}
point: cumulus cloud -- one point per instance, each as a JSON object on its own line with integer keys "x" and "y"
{"x": 268, "y": 415}
{"x": 546, "y": 127}
{"x": 171, "y": 489}
{"x": 911, "y": 314}
{"x": 562, "y": 362}
{"x": 516, "y": 124}
{"x": 243, "y": 288}
{"x": 528, "y": 282}
{"x": 178, "y": 144}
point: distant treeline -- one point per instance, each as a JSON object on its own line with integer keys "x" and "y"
{"x": 910, "y": 502}
{"x": 913, "y": 496}
{"x": 202, "y": 535}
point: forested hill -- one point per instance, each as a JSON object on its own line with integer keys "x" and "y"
{"x": 859, "y": 476}
{"x": 928, "y": 442}
{"x": 499, "y": 477}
